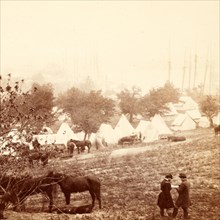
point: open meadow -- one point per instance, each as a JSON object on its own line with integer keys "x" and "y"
{"x": 131, "y": 179}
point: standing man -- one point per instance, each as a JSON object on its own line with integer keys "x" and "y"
{"x": 165, "y": 200}
{"x": 183, "y": 199}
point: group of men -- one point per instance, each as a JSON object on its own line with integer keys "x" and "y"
{"x": 165, "y": 201}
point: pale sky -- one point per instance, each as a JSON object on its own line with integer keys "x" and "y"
{"x": 113, "y": 42}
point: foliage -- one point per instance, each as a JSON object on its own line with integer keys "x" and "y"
{"x": 130, "y": 102}
{"x": 156, "y": 100}
{"x": 24, "y": 110}
{"x": 210, "y": 108}
{"x": 87, "y": 110}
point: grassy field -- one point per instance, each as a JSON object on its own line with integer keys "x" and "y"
{"x": 131, "y": 181}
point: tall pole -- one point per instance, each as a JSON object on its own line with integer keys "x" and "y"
{"x": 184, "y": 68}
{"x": 190, "y": 68}
{"x": 169, "y": 64}
{"x": 195, "y": 69}
{"x": 210, "y": 76}
{"x": 206, "y": 71}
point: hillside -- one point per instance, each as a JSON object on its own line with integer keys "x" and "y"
{"x": 131, "y": 179}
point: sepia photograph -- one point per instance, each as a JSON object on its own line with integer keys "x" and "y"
{"x": 109, "y": 109}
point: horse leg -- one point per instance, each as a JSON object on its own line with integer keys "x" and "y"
{"x": 93, "y": 197}
{"x": 98, "y": 196}
{"x": 50, "y": 196}
{"x": 67, "y": 197}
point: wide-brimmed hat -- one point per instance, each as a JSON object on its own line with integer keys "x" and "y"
{"x": 182, "y": 175}
{"x": 169, "y": 176}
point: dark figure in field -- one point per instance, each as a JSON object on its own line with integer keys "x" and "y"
{"x": 38, "y": 156}
{"x": 36, "y": 144}
{"x": 176, "y": 138}
{"x": 165, "y": 200}
{"x": 183, "y": 199}
{"x": 71, "y": 146}
{"x": 70, "y": 184}
{"x": 82, "y": 144}
{"x": 217, "y": 129}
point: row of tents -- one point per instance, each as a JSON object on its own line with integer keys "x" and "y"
{"x": 182, "y": 116}
{"x": 147, "y": 130}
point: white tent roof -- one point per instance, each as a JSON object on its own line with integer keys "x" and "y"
{"x": 216, "y": 119}
{"x": 150, "y": 133}
{"x": 183, "y": 122}
{"x": 107, "y": 132}
{"x": 80, "y": 135}
{"x": 64, "y": 134}
{"x": 45, "y": 138}
{"x": 194, "y": 114}
{"x": 171, "y": 109}
{"x": 123, "y": 127}
{"x": 160, "y": 125}
{"x": 186, "y": 103}
{"x": 142, "y": 125}
{"x": 204, "y": 122}
{"x": 189, "y": 103}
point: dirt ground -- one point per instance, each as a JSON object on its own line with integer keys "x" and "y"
{"x": 131, "y": 176}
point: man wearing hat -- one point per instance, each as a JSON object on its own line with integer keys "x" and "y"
{"x": 165, "y": 200}
{"x": 183, "y": 199}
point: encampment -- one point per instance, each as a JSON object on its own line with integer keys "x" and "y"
{"x": 123, "y": 127}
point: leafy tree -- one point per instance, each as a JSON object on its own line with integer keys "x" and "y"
{"x": 210, "y": 108}
{"x": 87, "y": 110}
{"x": 24, "y": 110}
{"x": 156, "y": 100}
{"x": 130, "y": 102}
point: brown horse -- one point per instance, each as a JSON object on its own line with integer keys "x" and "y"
{"x": 217, "y": 130}
{"x": 81, "y": 145}
{"x": 70, "y": 184}
{"x": 38, "y": 156}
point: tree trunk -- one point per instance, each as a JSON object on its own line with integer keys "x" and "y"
{"x": 85, "y": 136}
{"x": 131, "y": 118}
{"x": 211, "y": 122}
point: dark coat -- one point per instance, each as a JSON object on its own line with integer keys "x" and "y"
{"x": 183, "y": 199}
{"x": 165, "y": 200}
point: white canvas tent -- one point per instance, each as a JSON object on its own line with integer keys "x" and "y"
{"x": 194, "y": 114}
{"x": 80, "y": 135}
{"x": 123, "y": 127}
{"x": 204, "y": 122}
{"x": 142, "y": 125}
{"x": 92, "y": 138}
{"x": 107, "y": 132}
{"x": 183, "y": 122}
{"x": 216, "y": 119}
{"x": 148, "y": 132}
{"x": 186, "y": 103}
{"x": 158, "y": 123}
{"x": 171, "y": 110}
{"x": 64, "y": 134}
{"x": 44, "y": 139}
